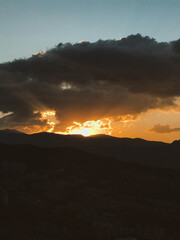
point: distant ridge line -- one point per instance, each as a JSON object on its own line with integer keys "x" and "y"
{"x": 135, "y": 150}
{"x": 14, "y": 131}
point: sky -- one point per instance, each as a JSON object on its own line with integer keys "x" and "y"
{"x": 31, "y": 26}
{"x": 91, "y": 67}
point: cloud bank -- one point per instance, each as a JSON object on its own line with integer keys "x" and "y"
{"x": 90, "y": 81}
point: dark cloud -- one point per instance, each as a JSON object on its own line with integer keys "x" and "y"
{"x": 158, "y": 128}
{"x": 18, "y": 120}
{"x": 176, "y": 46}
{"x": 92, "y": 80}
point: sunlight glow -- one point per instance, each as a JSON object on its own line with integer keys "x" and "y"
{"x": 51, "y": 119}
{"x": 65, "y": 86}
{"x": 39, "y": 53}
{"x": 2, "y": 115}
{"x": 89, "y": 128}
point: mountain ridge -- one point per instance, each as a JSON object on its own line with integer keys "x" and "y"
{"x": 124, "y": 149}
{"x": 97, "y": 136}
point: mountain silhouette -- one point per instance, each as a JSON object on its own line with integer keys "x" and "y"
{"x": 124, "y": 149}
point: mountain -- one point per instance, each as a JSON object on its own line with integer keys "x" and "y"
{"x": 176, "y": 143}
{"x": 45, "y": 139}
{"x": 124, "y": 149}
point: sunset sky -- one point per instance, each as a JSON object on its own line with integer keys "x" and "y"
{"x": 91, "y": 67}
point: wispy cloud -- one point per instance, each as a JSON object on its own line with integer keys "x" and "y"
{"x": 158, "y": 128}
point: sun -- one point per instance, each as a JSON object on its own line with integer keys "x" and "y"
{"x": 89, "y": 128}
{"x": 84, "y": 131}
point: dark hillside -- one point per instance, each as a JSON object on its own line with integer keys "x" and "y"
{"x": 65, "y": 193}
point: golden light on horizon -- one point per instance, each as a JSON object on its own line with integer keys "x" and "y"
{"x": 122, "y": 126}
{"x": 89, "y": 128}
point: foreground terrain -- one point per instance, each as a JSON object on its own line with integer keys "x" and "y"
{"x": 65, "y": 193}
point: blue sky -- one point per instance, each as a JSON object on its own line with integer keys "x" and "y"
{"x": 29, "y": 26}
